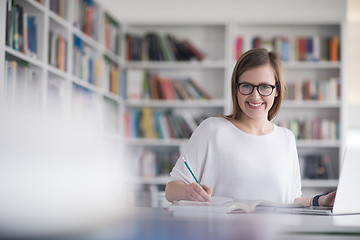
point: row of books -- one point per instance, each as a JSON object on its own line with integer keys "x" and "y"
{"x": 141, "y": 84}
{"x": 112, "y": 34}
{"x": 58, "y": 46}
{"x": 321, "y": 90}
{"x": 23, "y": 84}
{"x": 21, "y": 29}
{"x": 313, "y": 129}
{"x": 154, "y": 162}
{"x": 86, "y": 17}
{"x": 157, "y": 47}
{"x": 159, "y": 124}
{"x": 111, "y": 70}
{"x": 300, "y": 48}
{"x": 59, "y": 7}
{"x": 86, "y": 64}
{"x": 316, "y": 166}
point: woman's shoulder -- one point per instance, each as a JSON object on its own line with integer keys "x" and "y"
{"x": 212, "y": 123}
{"x": 284, "y": 131}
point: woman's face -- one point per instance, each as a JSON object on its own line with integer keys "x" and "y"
{"x": 255, "y": 106}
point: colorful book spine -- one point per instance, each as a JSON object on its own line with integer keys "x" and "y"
{"x": 313, "y": 129}
{"x": 21, "y": 29}
{"x": 159, "y": 124}
{"x": 320, "y": 90}
{"x": 155, "y": 47}
{"x": 141, "y": 84}
{"x": 111, "y": 34}
{"x": 301, "y": 48}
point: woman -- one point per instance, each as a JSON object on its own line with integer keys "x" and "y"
{"x": 244, "y": 155}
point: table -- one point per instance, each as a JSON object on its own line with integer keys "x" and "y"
{"x": 159, "y": 224}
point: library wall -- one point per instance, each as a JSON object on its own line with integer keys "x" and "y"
{"x": 219, "y": 10}
{"x": 353, "y": 63}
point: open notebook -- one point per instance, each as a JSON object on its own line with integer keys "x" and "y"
{"x": 227, "y": 205}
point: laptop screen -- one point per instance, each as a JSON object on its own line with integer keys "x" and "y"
{"x": 348, "y": 191}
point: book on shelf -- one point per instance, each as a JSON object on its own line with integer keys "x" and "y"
{"x": 57, "y": 50}
{"x": 86, "y": 17}
{"x": 316, "y": 166}
{"x": 159, "y": 124}
{"x": 312, "y": 129}
{"x": 111, "y": 70}
{"x": 148, "y": 163}
{"x": 300, "y": 48}
{"x": 86, "y": 62}
{"x": 21, "y": 29}
{"x": 320, "y": 90}
{"x": 238, "y": 49}
{"x": 59, "y": 7}
{"x": 161, "y": 47}
{"x": 228, "y": 205}
{"x": 141, "y": 84}
{"x": 111, "y": 34}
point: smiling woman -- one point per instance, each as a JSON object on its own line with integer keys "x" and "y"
{"x": 233, "y": 156}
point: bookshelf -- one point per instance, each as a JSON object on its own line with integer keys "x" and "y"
{"x": 210, "y": 73}
{"x": 70, "y": 68}
{"x": 91, "y": 66}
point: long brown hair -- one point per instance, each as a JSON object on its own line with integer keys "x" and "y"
{"x": 255, "y": 58}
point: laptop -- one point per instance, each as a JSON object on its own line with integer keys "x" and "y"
{"x": 348, "y": 192}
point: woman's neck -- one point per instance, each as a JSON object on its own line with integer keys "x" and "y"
{"x": 254, "y": 126}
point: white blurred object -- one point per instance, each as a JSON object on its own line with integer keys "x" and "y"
{"x": 57, "y": 178}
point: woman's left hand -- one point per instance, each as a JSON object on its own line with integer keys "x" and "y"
{"x": 328, "y": 199}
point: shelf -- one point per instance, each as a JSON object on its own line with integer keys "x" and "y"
{"x": 59, "y": 20}
{"x": 156, "y": 142}
{"x": 24, "y": 57}
{"x": 36, "y": 5}
{"x": 87, "y": 39}
{"x": 113, "y": 57}
{"x": 310, "y": 104}
{"x": 113, "y": 97}
{"x": 96, "y": 89}
{"x": 151, "y": 180}
{"x": 319, "y": 183}
{"x": 318, "y": 143}
{"x": 57, "y": 72}
{"x": 176, "y": 103}
{"x": 176, "y": 65}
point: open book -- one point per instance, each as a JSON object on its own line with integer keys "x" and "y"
{"x": 228, "y": 205}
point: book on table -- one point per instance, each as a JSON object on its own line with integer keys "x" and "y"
{"x": 228, "y": 205}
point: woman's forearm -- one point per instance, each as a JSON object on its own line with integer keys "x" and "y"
{"x": 175, "y": 191}
{"x": 304, "y": 201}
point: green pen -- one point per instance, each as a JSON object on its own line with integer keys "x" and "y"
{"x": 188, "y": 167}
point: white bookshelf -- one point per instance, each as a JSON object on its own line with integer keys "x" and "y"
{"x": 53, "y": 79}
{"x": 210, "y": 73}
{"x": 215, "y": 39}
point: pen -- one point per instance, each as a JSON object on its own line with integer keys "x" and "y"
{"x": 188, "y": 167}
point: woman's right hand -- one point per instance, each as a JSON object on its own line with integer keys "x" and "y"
{"x": 193, "y": 192}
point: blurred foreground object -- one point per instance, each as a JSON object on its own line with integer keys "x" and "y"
{"x": 57, "y": 178}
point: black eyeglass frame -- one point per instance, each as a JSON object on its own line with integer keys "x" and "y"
{"x": 257, "y": 88}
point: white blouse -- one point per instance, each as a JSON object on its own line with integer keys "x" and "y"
{"x": 240, "y": 165}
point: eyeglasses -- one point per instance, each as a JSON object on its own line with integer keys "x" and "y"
{"x": 263, "y": 89}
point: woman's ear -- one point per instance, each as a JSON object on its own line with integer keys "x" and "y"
{"x": 276, "y": 93}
